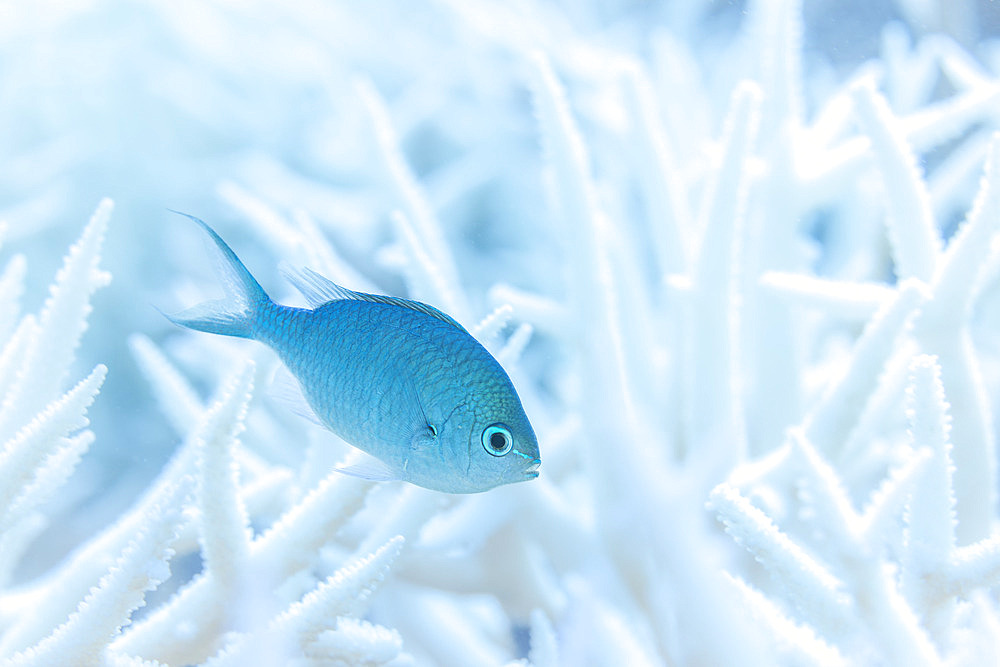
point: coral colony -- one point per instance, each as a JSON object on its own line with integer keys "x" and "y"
{"x": 747, "y": 291}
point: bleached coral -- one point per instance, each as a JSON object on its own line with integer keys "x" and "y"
{"x": 724, "y": 270}
{"x": 203, "y": 476}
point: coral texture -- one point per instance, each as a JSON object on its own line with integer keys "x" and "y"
{"x": 740, "y": 261}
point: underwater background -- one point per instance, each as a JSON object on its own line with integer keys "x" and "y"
{"x": 740, "y": 260}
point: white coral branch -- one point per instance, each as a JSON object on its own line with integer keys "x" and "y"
{"x": 176, "y": 397}
{"x": 107, "y": 608}
{"x": 974, "y": 566}
{"x": 24, "y": 455}
{"x": 854, "y": 301}
{"x": 830, "y": 421}
{"x": 931, "y": 513}
{"x": 47, "y": 357}
{"x": 315, "y": 626}
{"x": 942, "y": 330}
{"x": 11, "y": 289}
{"x": 797, "y": 644}
{"x": 713, "y": 412}
{"x": 813, "y": 589}
{"x": 417, "y": 225}
{"x": 287, "y": 548}
{"x": 224, "y": 528}
{"x": 915, "y": 241}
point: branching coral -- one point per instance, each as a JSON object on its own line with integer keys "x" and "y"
{"x": 203, "y": 475}
{"x": 861, "y": 568}
{"x": 724, "y": 268}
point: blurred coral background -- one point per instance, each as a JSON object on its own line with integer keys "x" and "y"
{"x": 714, "y": 244}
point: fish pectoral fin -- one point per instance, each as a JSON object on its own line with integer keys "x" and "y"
{"x": 370, "y": 468}
{"x": 285, "y": 389}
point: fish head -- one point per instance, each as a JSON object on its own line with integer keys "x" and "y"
{"x": 502, "y": 448}
{"x": 472, "y": 432}
{"x": 472, "y": 450}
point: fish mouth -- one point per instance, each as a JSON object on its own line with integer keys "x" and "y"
{"x": 532, "y": 470}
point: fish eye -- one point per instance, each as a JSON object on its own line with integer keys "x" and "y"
{"x": 497, "y": 439}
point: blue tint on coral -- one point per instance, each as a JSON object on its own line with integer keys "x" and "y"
{"x": 738, "y": 258}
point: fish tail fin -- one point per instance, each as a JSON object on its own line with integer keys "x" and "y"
{"x": 236, "y": 314}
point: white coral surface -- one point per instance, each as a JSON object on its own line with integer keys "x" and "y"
{"x": 740, "y": 259}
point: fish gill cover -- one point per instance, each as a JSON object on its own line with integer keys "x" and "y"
{"x": 739, "y": 259}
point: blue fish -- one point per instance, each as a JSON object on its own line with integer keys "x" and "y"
{"x": 397, "y": 379}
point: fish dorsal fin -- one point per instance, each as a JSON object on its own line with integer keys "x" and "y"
{"x": 319, "y": 290}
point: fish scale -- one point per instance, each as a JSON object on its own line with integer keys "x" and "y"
{"x": 395, "y": 378}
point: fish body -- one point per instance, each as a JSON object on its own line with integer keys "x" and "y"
{"x": 395, "y": 378}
